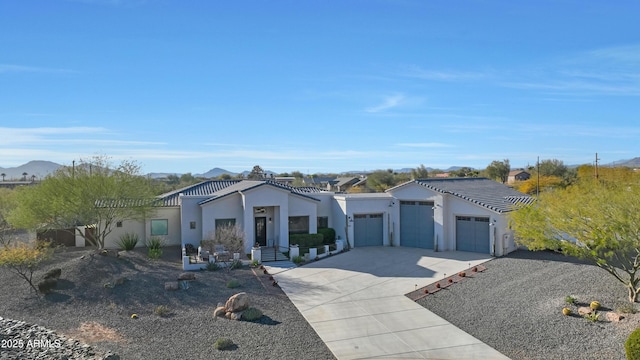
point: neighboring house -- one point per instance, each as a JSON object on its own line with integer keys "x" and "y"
{"x": 343, "y": 184}
{"x": 442, "y": 214}
{"x": 517, "y": 175}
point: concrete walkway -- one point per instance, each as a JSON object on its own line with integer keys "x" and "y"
{"x": 355, "y": 301}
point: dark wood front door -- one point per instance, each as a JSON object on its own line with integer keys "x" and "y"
{"x": 261, "y": 230}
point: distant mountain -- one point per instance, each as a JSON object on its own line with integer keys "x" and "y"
{"x": 161, "y": 175}
{"x": 38, "y": 168}
{"x": 214, "y": 173}
{"x": 632, "y": 163}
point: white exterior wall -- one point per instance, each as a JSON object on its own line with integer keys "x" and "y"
{"x": 229, "y": 207}
{"x": 190, "y": 211}
{"x": 143, "y": 228}
{"x": 174, "y": 228}
{"x": 352, "y": 204}
{"x": 128, "y": 226}
{"x": 266, "y": 196}
{"x": 325, "y": 207}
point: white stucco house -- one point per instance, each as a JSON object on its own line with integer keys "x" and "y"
{"x": 465, "y": 214}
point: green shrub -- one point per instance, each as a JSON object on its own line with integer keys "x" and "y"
{"x": 128, "y": 241}
{"x": 213, "y": 266}
{"x": 255, "y": 263}
{"x": 570, "y": 299}
{"x": 155, "y": 242}
{"x": 155, "y": 253}
{"x": 162, "y": 310}
{"x": 632, "y": 345}
{"x": 306, "y": 240}
{"x": 298, "y": 260}
{"x": 328, "y": 235}
{"x": 592, "y": 316}
{"x": 233, "y": 283}
{"x": 236, "y": 264}
{"x": 251, "y": 314}
{"x": 223, "y": 344}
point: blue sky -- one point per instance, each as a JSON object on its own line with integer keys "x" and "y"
{"x": 319, "y": 86}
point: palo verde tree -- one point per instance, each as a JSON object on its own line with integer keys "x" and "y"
{"x": 595, "y": 219}
{"x": 89, "y": 193}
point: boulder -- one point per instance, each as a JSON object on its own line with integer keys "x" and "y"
{"x": 614, "y": 317}
{"x": 171, "y": 285}
{"x": 584, "y": 310}
{"x": 121, "y": 280}
{"x": 187, "y": 276}
{"x": 236, "y": 315}
{"x": 219, "y": 311}
{"x": 237, "y": 302}
{"x": 47, "y": 285}
{"x": 53, "y": 274}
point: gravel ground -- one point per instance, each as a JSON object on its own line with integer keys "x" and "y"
{"x": 515, "y": 307}
{"x": 83, "y": 308}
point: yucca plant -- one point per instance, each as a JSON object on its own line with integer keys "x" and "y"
{"x": 128, "y": 241}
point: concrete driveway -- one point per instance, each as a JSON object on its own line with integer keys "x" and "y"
{"x": 355, "y": 301}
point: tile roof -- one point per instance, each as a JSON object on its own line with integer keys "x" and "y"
{"x": 217, "y": 191}
{"x": 204, "y": 188}
{"x": 484, "y": 192}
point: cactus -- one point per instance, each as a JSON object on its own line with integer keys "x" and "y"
{"x": 595, "y": 305}
{"x": 566, "y": 311}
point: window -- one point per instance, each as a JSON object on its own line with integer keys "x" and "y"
{"x": 159, "y": 227}
{"x": 323, "y": 222}
{"x": 192, "y": 225}
{"x": 118, "y": 223}
{"x": 298, "y": 224}
{"x": 225, "y": 222}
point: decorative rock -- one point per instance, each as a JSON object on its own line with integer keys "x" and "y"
{"x": 614, "y": 317}
{"x": 47, "y": 285}
{"x": 171, "y": 286}
{"x": 237, "y": 302}
{"x": 219, "y": 311}
{"x": 53, "y": 274}
{"x": 584, "y": 310}
{"x": 236, "y": 315}
{"x": 187, "y": 276}
{"x": 121, "y": 280}
{"x": 62, "y": 347}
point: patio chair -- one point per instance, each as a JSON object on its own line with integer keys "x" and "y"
{"x": 220, "y": 253}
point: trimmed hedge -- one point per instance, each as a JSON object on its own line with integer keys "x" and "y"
{"x": 328, "y": 234}
{"x": 306, "y": 240}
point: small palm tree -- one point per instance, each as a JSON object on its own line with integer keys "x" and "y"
{"x": 24, "y": 176}
{"x": 3, "y": 175}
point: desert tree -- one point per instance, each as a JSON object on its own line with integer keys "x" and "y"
{"x": 90, "y": 193}
{"x": 499, "y": 170}
{"x": 256, "y": 173}
{"x": 24, "y": 259}
{"x": 421, "y": 172}
{"x": 597, "y": 220}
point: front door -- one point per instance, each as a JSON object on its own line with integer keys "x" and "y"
{"x": 261, "y": 230}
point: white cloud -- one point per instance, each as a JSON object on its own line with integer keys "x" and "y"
{"x": 388, "y": 102}
{"x": 441, "y": 75}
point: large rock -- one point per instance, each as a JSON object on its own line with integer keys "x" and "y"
{"x": 47, "y": 285}
{"x": 237, "y": 302}
{"x": 220, "y": 311}
{"x": 614, "y": 317}
{"x": 53, "y": 274}
{"x": 171, "y": 286}
{"x": 187, "y": 276}
{"x": 584, "y": 310}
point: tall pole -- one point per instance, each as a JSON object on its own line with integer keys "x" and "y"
{"x": 597, "y": 165}
{"x": 538, "y": 177}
